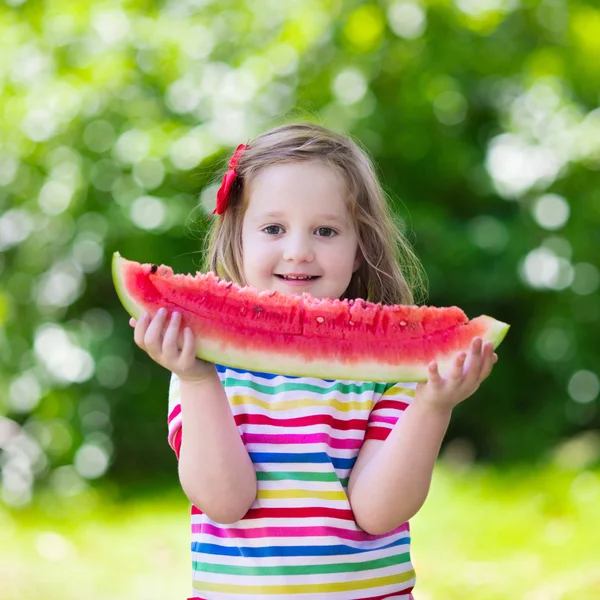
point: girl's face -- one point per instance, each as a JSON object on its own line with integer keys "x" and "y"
{"x": 297, "y": 233}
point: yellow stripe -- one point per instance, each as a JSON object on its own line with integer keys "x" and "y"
{"x": 340, "y": 586}
{"x": 287, "y": 494}
{"x": 394, "y": 391}
{"x": 243, "y": 399}
{"x": 240, "y": 400}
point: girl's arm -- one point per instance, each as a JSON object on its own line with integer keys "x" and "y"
{"x": 390, "y": 480}
{"x": 215, "y": 469}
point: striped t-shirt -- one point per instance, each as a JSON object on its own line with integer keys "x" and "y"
{"x": 299, "y": 539}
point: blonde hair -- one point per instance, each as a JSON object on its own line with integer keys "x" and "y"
{"x": 390, "y": 272}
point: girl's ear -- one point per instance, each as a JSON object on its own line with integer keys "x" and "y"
{"x": 358, "y": 260}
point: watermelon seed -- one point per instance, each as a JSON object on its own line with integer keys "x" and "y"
{"x": 350, "y": 322}
{"x": 320, "y": 319}
{"x": 257, "y": 309}
{"x": 403, "y": 323}
{"x": 154, "y": 268}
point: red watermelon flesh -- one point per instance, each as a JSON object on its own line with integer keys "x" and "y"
{"x": 302, "y": 335}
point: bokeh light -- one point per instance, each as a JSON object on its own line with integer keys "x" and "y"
{"x": 407, "y": 19}
{"x": 551, "y": 211}
{"x": 584, "y": 386}
{"x": 64, "y": 360}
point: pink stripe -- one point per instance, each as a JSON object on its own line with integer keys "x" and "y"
{"x": 298, "y": 438}
{"x": 382, "y": 419}
{"x": 281, "y": 532}
{"x": 175, "y": 412}
{"x": 175, "y": 441}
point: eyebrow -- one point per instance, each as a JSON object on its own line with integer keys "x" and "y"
{"x": 319, "y": 217}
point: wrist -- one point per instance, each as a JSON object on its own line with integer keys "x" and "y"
{"x": 203, "y": 392}
{"x": 200, "y": 380}
{"x": 431, "y": 409}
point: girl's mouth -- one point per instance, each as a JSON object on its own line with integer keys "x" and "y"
{"x": 297, "y": 278}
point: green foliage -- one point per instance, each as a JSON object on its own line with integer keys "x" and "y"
{"x": 115, "y": 119}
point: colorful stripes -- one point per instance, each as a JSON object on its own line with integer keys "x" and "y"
{"x": 300, "y": 539}
{"x": 319, "y": 589}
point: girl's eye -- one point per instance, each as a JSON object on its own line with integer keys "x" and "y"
{"x": 325, "y": 232}
{"x": 273, "y": 229}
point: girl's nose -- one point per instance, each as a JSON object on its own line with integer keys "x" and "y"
{"x": 298, "y": 249}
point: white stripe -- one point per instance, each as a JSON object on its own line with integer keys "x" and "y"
{"x": 298, "y": 412}
{"x": 324, "y": 427}
{"x": 317, "y": 486}
{"x": 320, "y": 578}
{"x": 303, "y": 449}
{"x": 294, "y": 467}
{"x": 271, "y": 396}
{"x": 248, "y": 524}
{"x": 300, "y": 502}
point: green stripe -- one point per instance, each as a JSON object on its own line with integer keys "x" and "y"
{"x": 344, "y": 388}
{"x": 395, "y": 559}
{"x": 297, "y": 476}
{"x": 294, "y": 476}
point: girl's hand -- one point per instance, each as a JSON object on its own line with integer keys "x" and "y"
{"x": 161, "y": 344}
{"x": 465, "y": 376}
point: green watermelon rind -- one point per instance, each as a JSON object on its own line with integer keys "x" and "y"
{"x": 371, "y": 371}
{"x": 497, "y": 330}
{"x": 218, "y": 351}
{"x": 130, "y": 305}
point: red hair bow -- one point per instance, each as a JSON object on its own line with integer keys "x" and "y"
{"x": 228, "y": 179}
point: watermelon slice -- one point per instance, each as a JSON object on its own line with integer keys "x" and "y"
{"x": 301, "y": 335}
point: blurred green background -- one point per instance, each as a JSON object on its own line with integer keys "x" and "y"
{"x": 116, "y": 119}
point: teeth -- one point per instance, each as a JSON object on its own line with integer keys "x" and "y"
{"x": 294, "y": 277}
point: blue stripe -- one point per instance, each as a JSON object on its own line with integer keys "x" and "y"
{"x": 345, "y": 386}
{"x": 222, "y": 369}
{"x": 312, "y": 457}
{"x": 214, "y": 549}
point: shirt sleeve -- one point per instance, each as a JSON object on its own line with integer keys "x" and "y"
{"x": 174, "y": 415}
{"x": 388, "y": 410}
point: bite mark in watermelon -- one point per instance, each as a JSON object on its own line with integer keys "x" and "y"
{"x": 300, "y": 335}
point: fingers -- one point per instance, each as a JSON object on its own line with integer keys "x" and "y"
{"x": 433, "y": 374}
{"x": 149, "y": 332}
{"x": 188, "y": 352}
{"x": 160, "y": 338}
{"x": 481, "y": 361}
{"x": 475, "y": 361}
{"x": 456, "y": 371}
{"x": 140, "y": 330}
{"x": 170, "y": 346}
{"x": 473, "y": 367}
{"x": 153, "y": 339}
{"x": 462, "y": 375}
{"x": 490, "y": 358}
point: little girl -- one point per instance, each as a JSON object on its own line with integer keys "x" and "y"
{"x": 301, "y": 487}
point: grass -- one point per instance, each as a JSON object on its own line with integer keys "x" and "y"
{"x": 482, "y": 535}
